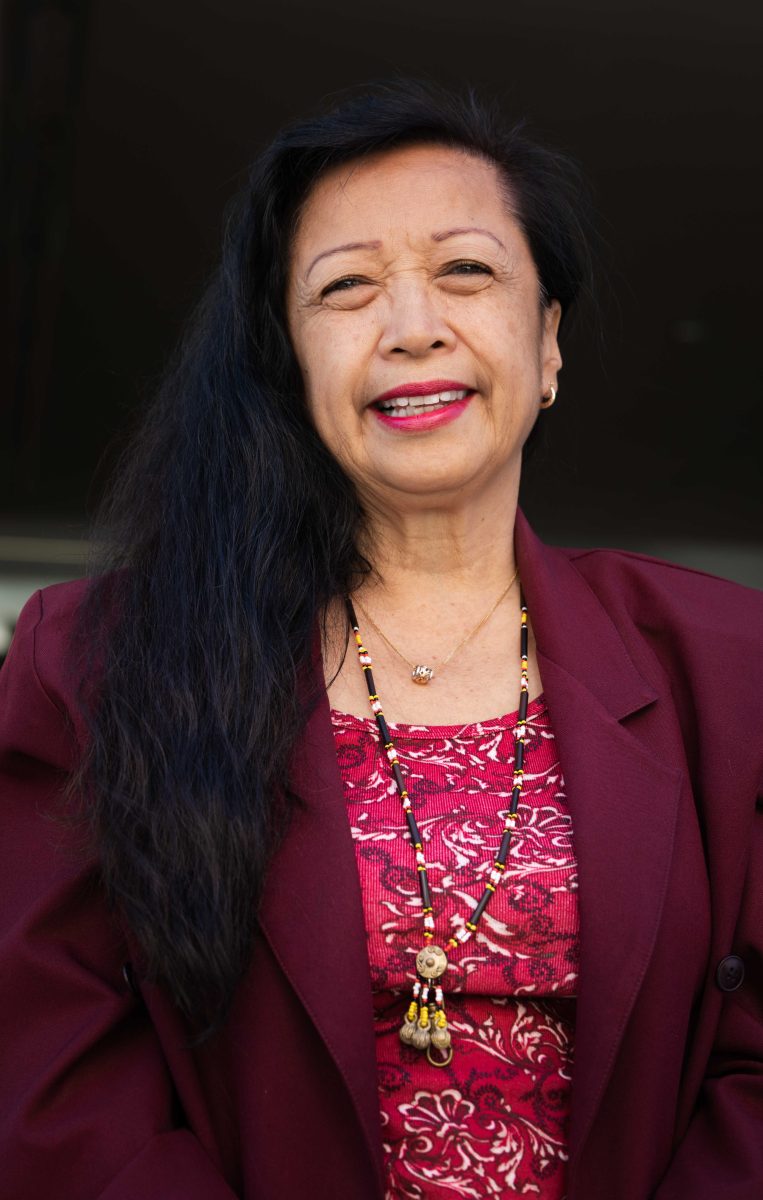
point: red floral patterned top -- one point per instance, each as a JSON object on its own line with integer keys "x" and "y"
{"x": 493, "y": 1122}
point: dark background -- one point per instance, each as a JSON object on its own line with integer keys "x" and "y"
{"x": 128, "y": 125}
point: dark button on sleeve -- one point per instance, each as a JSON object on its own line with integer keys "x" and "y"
{"x": 729, "y": 973}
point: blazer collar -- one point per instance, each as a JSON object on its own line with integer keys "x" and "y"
{"x": 623, "y": 801}
{"x": 572, "y": 628}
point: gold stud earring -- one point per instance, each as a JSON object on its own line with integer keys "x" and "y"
{"x": 547, "y": 401}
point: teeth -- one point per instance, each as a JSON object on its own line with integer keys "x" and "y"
{"x": 418, "y": 404}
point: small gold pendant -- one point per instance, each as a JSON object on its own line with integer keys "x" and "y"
{"x": 422, "y": 674}
{"x": 431, "y": 962}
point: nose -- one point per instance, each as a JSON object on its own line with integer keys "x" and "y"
{"x": 415, "y": 321}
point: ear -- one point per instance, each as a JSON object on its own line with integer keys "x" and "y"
{"x": 551, "y": 357}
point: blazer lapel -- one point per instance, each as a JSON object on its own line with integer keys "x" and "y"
{"x": 623, "y": 800}
{"x": 312, "y": 916}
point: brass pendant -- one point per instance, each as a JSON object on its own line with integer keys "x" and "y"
{"x": 422, "y": 674}
{"x": 431, "y": 962}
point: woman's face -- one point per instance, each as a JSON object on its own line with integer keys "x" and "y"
{"x": 410, "y": 276}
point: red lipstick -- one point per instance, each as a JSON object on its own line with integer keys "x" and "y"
{"x": 426, "y": 388}
{"x": 423, "y": 421}
{"x": 412, "y": 415}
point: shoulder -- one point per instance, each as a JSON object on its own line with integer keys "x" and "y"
{"x": 38, "y": 710}
{"x": 700, "y": 633}
{"x": 652, "y": 590}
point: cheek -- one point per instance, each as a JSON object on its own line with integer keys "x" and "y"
{"x": 333, "y": 362}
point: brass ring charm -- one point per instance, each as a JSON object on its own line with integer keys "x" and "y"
{"x": 440, "y": 1062}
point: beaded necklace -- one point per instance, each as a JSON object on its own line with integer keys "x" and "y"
{"x": 425, "y": 1025}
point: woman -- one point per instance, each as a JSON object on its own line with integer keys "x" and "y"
{"x": 318, "y": 928}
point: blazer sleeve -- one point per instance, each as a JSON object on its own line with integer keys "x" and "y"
{"x": 87, "y": 1106}
{"x": 721, "y": 1154}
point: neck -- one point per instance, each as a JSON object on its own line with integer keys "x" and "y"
{"x": 460, "y": 551}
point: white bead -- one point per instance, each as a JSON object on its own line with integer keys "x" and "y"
{"x": 420, "y": 859}
{"x": 428, "y": 921}
{"x": 495, "y": 877}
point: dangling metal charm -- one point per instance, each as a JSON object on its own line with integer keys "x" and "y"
{"x": 425, "y": 1026}
{"x": 422, "y": 1033}
{"x": 440, "y": 1040}
{"x": 411, "y": 1019}
{"x": 409, "y": 1024}
{"x": 422, "y": 674}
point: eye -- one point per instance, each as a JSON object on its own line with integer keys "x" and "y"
{"x": 342, "y": 285}
{"x": 467, "y": 267}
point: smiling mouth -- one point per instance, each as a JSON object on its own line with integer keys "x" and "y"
{"x": 416, "y": 406}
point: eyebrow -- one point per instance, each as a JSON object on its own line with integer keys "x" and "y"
{"x": 339, "y": 249}
{"x": 448, "y": 233}
{"x": 436, "y": 237}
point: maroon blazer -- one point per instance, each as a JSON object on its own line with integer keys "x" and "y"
{"x": 652, "y": 678}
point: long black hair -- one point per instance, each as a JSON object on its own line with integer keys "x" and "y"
{"x": 225, "y": 533}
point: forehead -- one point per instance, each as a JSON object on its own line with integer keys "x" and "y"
{"x": 400, "y": 192}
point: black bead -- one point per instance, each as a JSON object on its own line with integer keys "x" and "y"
{"x": 515, "y": 792}
{"x": 398, "y": 774}
{"x": 383, "y": 730}
{"x": 520, "y": 756}
{"x": 474, "y": 918}
{"x": 523, "y": 699}
{"x": 504, "y": 847}
{"x": 370, "y": 681}
{"x": 426, "y": 898}
{"x": 413, "y": 829}
{"x": 523, "y": 642}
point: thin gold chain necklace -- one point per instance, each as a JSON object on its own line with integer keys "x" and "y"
{"x": 425, "y": 1026}
{"x": 419, "y": 672}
